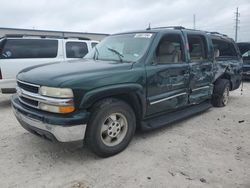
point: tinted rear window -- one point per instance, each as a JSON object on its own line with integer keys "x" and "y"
{"x": 197, "y": 47}
{"x": 29, "y": 48}
{"x": 226, "y": 48}
{"x": 76, "y": 49}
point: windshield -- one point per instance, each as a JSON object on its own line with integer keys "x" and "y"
{"x": 121, "y": 48}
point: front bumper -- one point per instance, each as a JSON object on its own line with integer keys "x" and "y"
{"x": 65, "y": 128}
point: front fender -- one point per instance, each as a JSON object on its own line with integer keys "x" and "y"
{"x": 135, "y": 90}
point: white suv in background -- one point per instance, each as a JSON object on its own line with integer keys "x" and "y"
{"x": 18, "y": 52}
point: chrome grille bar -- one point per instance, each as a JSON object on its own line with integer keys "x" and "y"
{"x": 43, "y": 99}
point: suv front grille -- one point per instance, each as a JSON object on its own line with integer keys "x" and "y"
{"x": 27, "y": 88}
{"x": 29, "y": 102}
{"x": 28, "y": 94}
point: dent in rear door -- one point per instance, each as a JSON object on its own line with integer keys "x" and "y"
{"x": 201, "y": 68}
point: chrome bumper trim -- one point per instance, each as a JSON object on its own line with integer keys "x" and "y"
{"x": 61, "y": 133}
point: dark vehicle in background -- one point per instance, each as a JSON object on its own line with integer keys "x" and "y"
{"x": 245, "y": 51}
{"x": 142, "y": 79}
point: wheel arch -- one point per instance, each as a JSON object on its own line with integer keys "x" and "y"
{"x": 227, "y": 77}
{"x": 133, "y": 94}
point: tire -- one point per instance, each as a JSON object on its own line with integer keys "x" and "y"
{"x": 111, "y": 127}
{"x": 221, "y": 93}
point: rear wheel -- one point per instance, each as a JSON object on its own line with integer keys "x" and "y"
{"x": 111, "y": 127}
{"x": 221, "y": 93}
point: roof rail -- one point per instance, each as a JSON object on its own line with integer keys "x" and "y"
{"x": 31, "y": 35}
{"x": 216, "y": 33}
{"x": 170, "y": 27}
{"x": 44, "y": 36}
{"x": 75, "y": 37}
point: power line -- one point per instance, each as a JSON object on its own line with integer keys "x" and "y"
{"x": 237, "y": 15}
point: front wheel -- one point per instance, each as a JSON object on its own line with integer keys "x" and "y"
{"x": 221, "y": 93}
{"x": 111, "y": 127}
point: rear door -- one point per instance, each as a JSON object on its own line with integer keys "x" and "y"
{"x": 167, "y": 74}
{"x": 201, "y": 67}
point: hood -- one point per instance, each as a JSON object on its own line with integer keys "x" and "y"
{"x": 56, "y": 74}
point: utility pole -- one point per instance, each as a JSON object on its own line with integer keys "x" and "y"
{"x": 237, "y": 21}
{"x": 194, "y": 27}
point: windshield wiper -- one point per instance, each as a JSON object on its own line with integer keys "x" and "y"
{"x": 116, "y": 52}
{"x": 96, "y": 53}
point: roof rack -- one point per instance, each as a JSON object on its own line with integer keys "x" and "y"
{"x": 44, "y": 36}
{"x": 31, "y": 35}
{"x": 168, "y": 27}
{"x": 75, "y": 37}
{"x": 216, "y": 33}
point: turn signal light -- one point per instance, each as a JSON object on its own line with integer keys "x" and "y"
{"x": 66, "y": 109}
{"x": 56, "y": 109}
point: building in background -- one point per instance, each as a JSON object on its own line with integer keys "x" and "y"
{"x": 14, "y": 31}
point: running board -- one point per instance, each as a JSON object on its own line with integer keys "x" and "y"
{"x": 162, "y": 120}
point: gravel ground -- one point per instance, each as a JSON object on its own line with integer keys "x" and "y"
{"x": 208, "y": 150}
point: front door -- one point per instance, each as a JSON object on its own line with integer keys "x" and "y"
{"x": 167, "y": 75}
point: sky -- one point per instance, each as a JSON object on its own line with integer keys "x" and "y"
{"x": 112, "y": 16}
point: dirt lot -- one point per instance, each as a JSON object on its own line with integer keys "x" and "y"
{"x": 208, "y": 150}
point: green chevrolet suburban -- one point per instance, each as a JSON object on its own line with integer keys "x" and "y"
{"x": 142, "y": 79}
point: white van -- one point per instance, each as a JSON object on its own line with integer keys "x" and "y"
{"x": 18, "y": 52}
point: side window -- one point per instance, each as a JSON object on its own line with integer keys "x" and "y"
{"x": 224, "y": 49}
{"x": 197, "y": 48}
{"x": 29, "y": 48}
{"x": 93, "y": 44}
{"x": 170, "y": 49}
{"x": 76, "y": 49}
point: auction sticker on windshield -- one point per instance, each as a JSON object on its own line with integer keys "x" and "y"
{"x": 143, "y": 35}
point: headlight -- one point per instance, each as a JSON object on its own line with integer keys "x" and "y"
{"x": 56, "y": 92}
{"x": 56, "y": 109}
{"x": 56, "y": 105}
